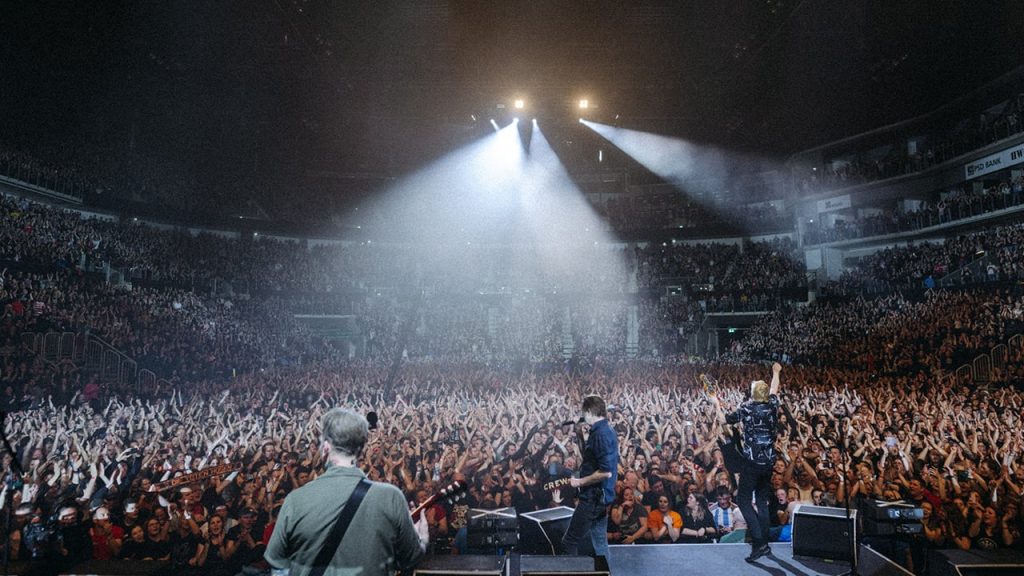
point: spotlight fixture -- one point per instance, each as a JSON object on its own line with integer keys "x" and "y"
{"x": 584, "y": 104}
{"x": 519, "y": 104}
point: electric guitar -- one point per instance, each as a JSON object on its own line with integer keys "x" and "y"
{"x": 451, "y": 493}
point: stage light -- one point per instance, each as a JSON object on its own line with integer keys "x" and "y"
{"x": 584, "y": 104}
{"x": 495, "y": 124}
{"x": 519, "y": 104}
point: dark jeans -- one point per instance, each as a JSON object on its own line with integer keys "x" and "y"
{"x": 588, "y": 530}
{"x": 755, "y": 486}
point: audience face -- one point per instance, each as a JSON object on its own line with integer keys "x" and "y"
{"x": 628, "y": 498}
{"x": 153, "y": 528}
{"x": 216, "y": 525}
{"x": 724, "y": 501}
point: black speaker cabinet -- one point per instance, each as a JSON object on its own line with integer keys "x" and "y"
{"x": 975, "y": 562}
{"x": 824, "y": 532}
{"x": 489, "y": 529}
{"x": 541, "y": 532}
{"x": 461, "y": 565}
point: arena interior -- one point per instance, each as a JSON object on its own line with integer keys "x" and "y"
{"x": 221, "y": 220}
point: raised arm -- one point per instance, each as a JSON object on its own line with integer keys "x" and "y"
{"x": 776, "y": 369}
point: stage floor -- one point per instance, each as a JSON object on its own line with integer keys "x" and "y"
{"x": 722, "y": 559}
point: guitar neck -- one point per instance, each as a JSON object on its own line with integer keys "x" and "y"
{"x": 426, "y": 504}
{"x": 450, "y": 491}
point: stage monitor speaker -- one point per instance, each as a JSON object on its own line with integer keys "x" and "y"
{"x": 823, "y": 532}
{"x": 461, "y": 565}
{"x": 541, "y": 532}
{"x": 482, "y": 541}
{"x": 975, "y": 562}
{"x": 561, "y": 566}
{"x": 502, "y": 519}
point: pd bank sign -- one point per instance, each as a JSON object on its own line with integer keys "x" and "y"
{"x": 995, "y": 162}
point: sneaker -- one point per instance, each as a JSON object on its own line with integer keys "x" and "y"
{"x": 758, "y": 552}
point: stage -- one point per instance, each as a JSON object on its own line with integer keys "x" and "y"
{"x": 668, "y": 560}
{"x": 647, "y": 560}
{"x": 639, "y": 560}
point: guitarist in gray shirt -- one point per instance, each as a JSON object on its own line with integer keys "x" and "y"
{"x": 381, "y": 537}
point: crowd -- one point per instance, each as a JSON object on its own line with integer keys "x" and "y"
{"x": 501, "y": 430}
{"x": 231, "y": 297}
{"x": 93, "y": 465}
{"x": 946, "y": 207}
{"x": 676, "y": 212}
{"x": 933, "y": 145}
{"x": 992, "y": 255}
{"x": 751, "y": 267}
{"x": 482, "y": 392}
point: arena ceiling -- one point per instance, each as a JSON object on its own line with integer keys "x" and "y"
{"x": 367, "y": 90}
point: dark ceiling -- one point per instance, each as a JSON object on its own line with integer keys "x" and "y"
{"x": 250, "y": 92}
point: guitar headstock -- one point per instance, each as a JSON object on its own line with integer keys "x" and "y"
{"x": 453, "y": 492}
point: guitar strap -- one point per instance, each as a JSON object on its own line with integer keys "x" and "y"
{"x": 330, "y": 547}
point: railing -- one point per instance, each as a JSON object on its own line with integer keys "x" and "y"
{"x": 974, "y": 272}
{"x": 999, "y": 356}
{"x": 984, "y": 367}
{"x": 965, "y": 375}
{"x": 96, "y": 354}
{"x": 55, "y": 347}
{"x": 41, "y": 177}
{"x": 31, "y": 341}
{"x": 111, "y": 364}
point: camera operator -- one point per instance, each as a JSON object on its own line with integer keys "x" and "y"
{"x": 74, "y": 544}
{"x": 15, "y": 536}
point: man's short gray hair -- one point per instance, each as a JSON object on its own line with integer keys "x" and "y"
{"x": 345, "y": 430}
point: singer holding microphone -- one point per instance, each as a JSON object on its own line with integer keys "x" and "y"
{"x": 588, "y": 528}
